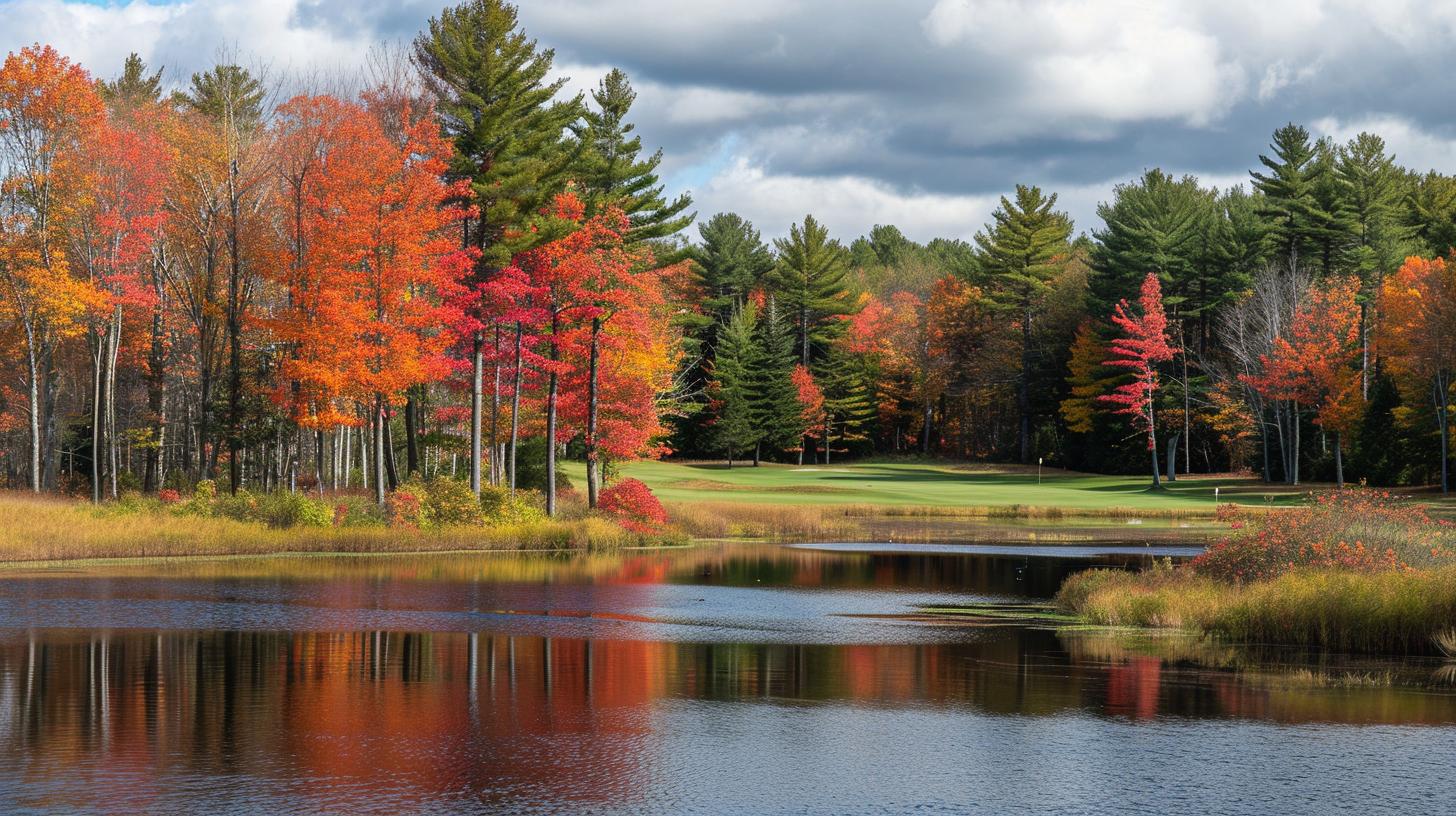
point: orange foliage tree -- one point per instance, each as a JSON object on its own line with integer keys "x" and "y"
{"x": 49, "y": 109}
{"x": 1418, "y": 336}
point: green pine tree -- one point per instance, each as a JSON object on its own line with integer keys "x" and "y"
{"x": 734, "y": 372}
{"x": 778, "y": 412}
{"x": 849, "y": 399}
{"x": 811, "y": 282}
{"x": 494, "y": 101}
{"x": 611, "y": 172}
{"x": 134, "y": 88}
{"x": 1430, "y": 213}
{"x": 228, "y": 94}
{"x": 1155, "y": 224}
{"x": 1370, "y": 197}
{"x": 1020, "y": 252}
{"x": 1298, "y": 223}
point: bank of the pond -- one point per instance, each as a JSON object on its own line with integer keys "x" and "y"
{"x": 39, "y": 529}
{"x": 1352, "y": 570}
{"x": 1388, "y": 612}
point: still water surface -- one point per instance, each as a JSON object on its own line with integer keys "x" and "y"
{"x": 734, "y": 679}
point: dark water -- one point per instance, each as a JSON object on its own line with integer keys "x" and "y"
{"x": 733, "y": 680}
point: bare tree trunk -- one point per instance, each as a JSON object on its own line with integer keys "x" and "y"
{"x": 925, "y": 428}
{"x": 1339, "y": 463}
{"x": 1153, "y": 447}
{"x": 1442, "y": 386}
{"x": 391, "y": 470}
{"x": 1173, "y": 456}
{"x": 113, "y": 348}
{"x": 98, "y": 373}
{"x": 551, "y": 390}
{"x": 476, "y": 370}
{"x": 593, "y": 465}
{"x": 495, "y": 405}
{"x": 33, "y": 370}
{"x": 1023, "y": 385}
{"x": 412, "y": 434}
{"x": 515, "y": 407}
{"x": 379, "y": 458}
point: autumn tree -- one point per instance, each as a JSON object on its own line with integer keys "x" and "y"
{"x": 1310, "y": 364}
{"x": 49, "y": 108}
{"x": 497, "y": 106}
{"x": 1142, "y": 345}
{"x": 1418, "y": 337}
{"x": 232, "y": 100}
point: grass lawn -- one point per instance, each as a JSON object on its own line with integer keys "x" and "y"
{"x": 944, "y": 485}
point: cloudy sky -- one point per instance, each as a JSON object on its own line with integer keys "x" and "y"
{"x": 912, "y": 112}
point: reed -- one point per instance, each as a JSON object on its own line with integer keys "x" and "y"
{"x": 1387, "y": 612}
{"x": 48, "y": 529}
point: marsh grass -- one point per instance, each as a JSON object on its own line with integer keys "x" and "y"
{"x": 48, "y": 529}
{"x": 1391, "y": 612}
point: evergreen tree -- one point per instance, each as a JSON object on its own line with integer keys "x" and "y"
{"x": 730, "y": 262}
{"x": 228, "y": 94}
{"x": 849, "y": 398}
{"x": 1430, "y": 213}
{"x": 1019, "y": 253}
{"x": 134, "y": 88}
{"x": 811, "y": 281}
{"x": 778, "y": 412}
{"x": 1380, "y": 454}
{"x": 1370, "y": 192}
{"x": 611, "y": 172}
{"x": 1298, "y": 223}
{"x": 735, "y": 378}
{"x": 494, "y": 102}
{"x": 1155, "y": 224}
{"x": 1371, "y": 187}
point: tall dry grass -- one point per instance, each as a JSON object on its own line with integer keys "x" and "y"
{"x": 48, "y": 529}
{"x": 1389, "y": 612}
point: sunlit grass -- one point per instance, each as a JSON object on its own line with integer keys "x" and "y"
{"x": 944, "y": 488}
{"x": 1396, "y": 611}
{"x": 52, "y": 529}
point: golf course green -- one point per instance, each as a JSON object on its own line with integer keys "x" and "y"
{"x": 927, "y": 484}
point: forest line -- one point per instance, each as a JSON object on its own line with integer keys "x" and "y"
{"x": 463, "y": 271}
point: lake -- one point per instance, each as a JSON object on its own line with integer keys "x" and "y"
{"x": 735, "y": 678}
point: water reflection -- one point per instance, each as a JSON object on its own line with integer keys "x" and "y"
{"x": 808, "y": 710}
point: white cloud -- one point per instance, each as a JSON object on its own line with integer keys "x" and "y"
{"x": 1412, "y": 147}
{"x": 916, "y": 112}
{"x": 847, "y": 205}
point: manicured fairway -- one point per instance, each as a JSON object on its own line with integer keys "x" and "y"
{"x": 936, "y": 485}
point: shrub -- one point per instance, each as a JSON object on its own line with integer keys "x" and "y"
{"x": 168, "y": 496}
{"x": 358, "y": 511}
{"x": 499, "y": 507}
{"x": 447, "y": 502}
{"x": 285, "y": 509}
{"x": 403, "y": 508}
{"x": 1353, "y": 528}
{"x": 633, "y": 504}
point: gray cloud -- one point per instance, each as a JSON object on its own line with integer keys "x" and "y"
{"x": 917, "y": 112}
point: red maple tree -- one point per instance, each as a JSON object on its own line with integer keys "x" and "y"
{"x": 1143, "y": 345}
